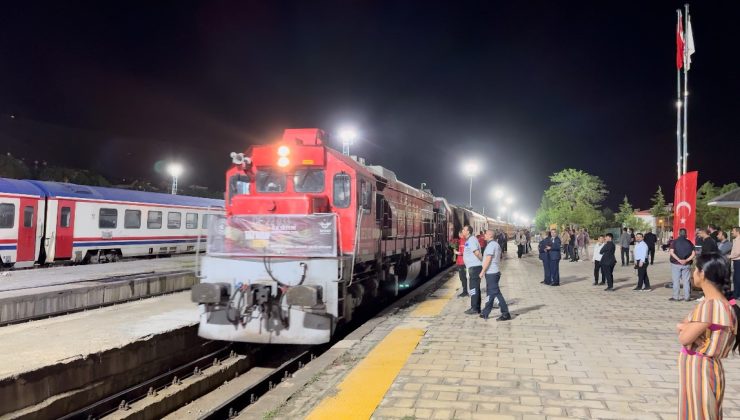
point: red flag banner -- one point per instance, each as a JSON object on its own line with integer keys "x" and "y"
{"x": 679, "y": 41}
{"x": 684, "y": 205}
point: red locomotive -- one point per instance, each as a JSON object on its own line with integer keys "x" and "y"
{"x": 310, "y": 235}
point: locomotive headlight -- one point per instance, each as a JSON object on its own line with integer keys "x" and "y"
{"x": 283, "y": 151}
{"x": 283, "y": 162}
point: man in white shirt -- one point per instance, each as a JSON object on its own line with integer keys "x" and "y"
{"x": 491, "y": 272}
{"x": 641, "y": 263}
{"x": 597, "y": 261}
{"x": 472, "y": 259}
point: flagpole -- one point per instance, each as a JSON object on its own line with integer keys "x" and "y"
{"x": 685, "y": 88}
{"x": 678, "y": 104}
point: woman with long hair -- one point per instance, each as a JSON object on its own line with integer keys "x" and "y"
{"x": 707, "y": 335}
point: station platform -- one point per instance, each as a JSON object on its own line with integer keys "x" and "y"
{"x": 573, "y": 351}
{"x": 33, "y": 293}
{"x": 47, "y": 360}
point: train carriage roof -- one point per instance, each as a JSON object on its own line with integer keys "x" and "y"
{"x": 19, "y": 186}
{"x": 61, "y": 189}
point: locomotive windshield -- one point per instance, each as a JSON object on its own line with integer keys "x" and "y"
{"x": 270, "y": 181}
{"x": 309, "y": 180}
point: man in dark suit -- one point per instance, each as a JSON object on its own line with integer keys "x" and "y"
{"x": 552, "y": 246}
{"x": 545, "y": 258}
{"x": 650, "y": 240}
{"x": 608, "y": 261}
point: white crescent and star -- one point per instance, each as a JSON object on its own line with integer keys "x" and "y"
{"x": 683, "y": 203}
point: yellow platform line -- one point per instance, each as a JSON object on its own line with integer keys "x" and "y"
{"x": 363, "y": 389}
{"x": 430, "y": 307}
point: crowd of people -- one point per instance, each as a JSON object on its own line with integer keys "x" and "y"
{"x": 707, "y": 335}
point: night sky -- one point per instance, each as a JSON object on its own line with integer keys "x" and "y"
{"x": 528, "y": 88}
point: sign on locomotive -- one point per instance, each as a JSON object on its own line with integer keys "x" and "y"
{"x": 310, "y": 235}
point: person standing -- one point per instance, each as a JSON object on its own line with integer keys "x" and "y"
{"x": 544, "y": 257}
{"x": 565, "y": 242}
{"x": 651, "y": 240}
{"x": 723, "y": 243}
{"x": 462, "y": 272}
{"x": 472, "y": 258}
{"x": 608, "y": 261}
{"x": 682, "y": 254}
{"x": 586, "y": 243}
{"x": 624, "y": 243}
{"x": 552, "y": 246}
{"x": 597, "y": 260}
{"x": 706, "y": 336}
{"x": 708, "y": 245}
{"x": 641, "y": 262}
{"x": 713, "y": 231}
{"x": 521, "y": 242}
{"x": 735, "y": 258}
{"x": 491, "y": 271}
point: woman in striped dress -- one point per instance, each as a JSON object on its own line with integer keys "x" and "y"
{"x": 707, "y": 335}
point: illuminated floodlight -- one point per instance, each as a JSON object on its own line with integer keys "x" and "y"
{"x": 498, "y": 193}
{"x": 283, "y": 162}
{"x": 471, "y": 168}
{"x": 347, "y": 135}
{"x": 509, "y": 200}
{"x": 283, "y": 151}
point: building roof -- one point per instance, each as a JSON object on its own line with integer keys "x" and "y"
{"x": 62, "y": 189}
{"x": 19, "y": 186}
{"x": 728, "y": 199}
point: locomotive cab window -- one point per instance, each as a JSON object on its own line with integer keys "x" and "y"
{"x": 308, "y": 180}
{"x": 270, "y": 181}
{"x": 239, "y": 185}
{"x": 365, "y": 195}
{"x": 65, "y": 217}
{"x": 7, "y": 216}
{"x": 132, "y": 219}
{"x": 107, "y": 218}
{"x": 191, "y": 220}
{"x": 342, "y": 190}
{"x": 154, "y": 220}
{"x": 174, "y": 220}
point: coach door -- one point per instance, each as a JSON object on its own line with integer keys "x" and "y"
{"x": 27, "y": 230}
{"x": 65, "y": 229}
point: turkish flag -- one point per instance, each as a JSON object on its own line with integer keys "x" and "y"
{"x": 684, "y": 205}
{"x": 679, "y": 42}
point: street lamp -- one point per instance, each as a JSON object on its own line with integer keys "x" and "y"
{"x": 471, "y": 169}
{"x": 348, "y": 135}
{"x": 175, "y": 170}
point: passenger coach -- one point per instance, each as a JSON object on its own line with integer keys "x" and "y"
{"x": 42, "y": 222}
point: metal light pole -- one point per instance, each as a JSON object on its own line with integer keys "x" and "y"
{"x": 175, "y": 170}
{"x": 471, "y": 169}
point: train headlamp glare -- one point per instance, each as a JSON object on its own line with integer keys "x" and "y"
{"x": 283, "y": 162}
{"x": 283, "y": 151}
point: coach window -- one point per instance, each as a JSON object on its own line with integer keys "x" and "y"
{"x": 132, "y": 219}
{"x": 270, "y": 181}
{"x": 108, "y": 218}
{"x": 154, "y": 220}
{"x": 191, "y": 220}
{"x": 204, "y": 223}
{"x": 308, "y": 180}
{"x": 174, "y": 220}
{"x": 65, "y": 217}
{"x": 342, "y": 190}
{"x": 7, "y": 216}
